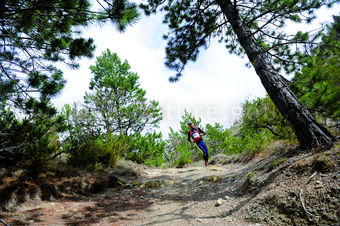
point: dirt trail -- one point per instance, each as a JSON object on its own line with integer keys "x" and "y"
{"x": 190, "y": 197}
{"x": 184, "y": 196}
{"x": 286, "y": 187}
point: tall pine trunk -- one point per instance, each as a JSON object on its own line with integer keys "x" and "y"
{"x": 308, "y": 131}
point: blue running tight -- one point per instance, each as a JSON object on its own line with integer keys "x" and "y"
{"x": 204, "y": 148}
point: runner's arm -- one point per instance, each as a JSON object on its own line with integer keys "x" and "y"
{"x": 201, "y": 131}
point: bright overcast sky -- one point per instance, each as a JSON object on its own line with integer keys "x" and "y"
{"x": 213, "y": 87}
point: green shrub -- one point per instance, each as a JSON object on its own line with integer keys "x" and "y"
{"x": 28, "y": 142}
{"x": 99, "y": 152}
{"x": 255, "y": 142}
{"x": 184, "y": 155}
{"x": 146, "y": 149}
{"x": 248, "y": 143}
{"x": 233, "y": 144}
{"x": 83, "y": 156}
{"x": 111, "y": 149}
{"x": 216, "y": 137}
{"x": 38, "y": 154}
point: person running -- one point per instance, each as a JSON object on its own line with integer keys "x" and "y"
{"x": 196, "y": 133}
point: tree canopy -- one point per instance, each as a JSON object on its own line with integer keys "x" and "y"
{"x": 317, "y": 84}
{"x": 35, "y": 34}
{"x": 117, "y": 101}
{"x": 261, "y": 114}
{"x": 254, "y": 28}
{"x": 193, "y": 24}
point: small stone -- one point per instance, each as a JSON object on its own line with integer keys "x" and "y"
{"x": 227, "y": 198}
{"x": 319, "y": 186}
{"x": 219, "y": 202}
{"x": 169, "y": 182}
{"x": 228, "y": 219}
{"x": 199, "y": 220}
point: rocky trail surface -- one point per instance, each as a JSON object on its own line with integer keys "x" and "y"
{"x": 196, "y": 195}
{"x": 280, "y": 189}
{"x": 192, "y": 196}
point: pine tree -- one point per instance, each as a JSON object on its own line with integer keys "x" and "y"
{"x": 117, "y": 101}
{"x": 317, "y": 84}
{"x": 253, "y": 28}
{"x": 35, "y": 34}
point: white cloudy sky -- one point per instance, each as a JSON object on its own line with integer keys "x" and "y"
{"x": 212, "y": 88}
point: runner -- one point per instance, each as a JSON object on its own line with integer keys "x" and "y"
{"x": 196, "y": 133}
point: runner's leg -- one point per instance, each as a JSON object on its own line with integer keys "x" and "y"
{"x": 204, "y": 148}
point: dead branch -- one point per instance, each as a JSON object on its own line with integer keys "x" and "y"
{"x": 303, "y": 204}
{"x": 311, "y": 177}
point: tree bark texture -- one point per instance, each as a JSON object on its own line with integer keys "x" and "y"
{"x": 308, "y": 131}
